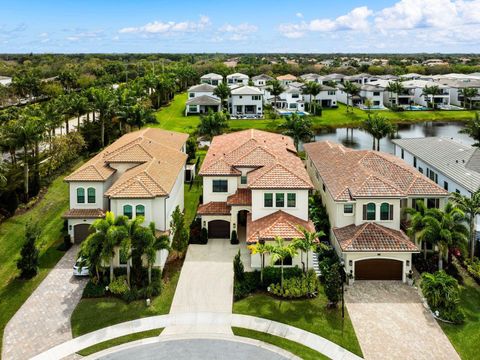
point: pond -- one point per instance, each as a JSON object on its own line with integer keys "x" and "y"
{"x": 362, "y": 140}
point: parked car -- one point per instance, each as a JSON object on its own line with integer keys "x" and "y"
{"x": 81, "y": 267}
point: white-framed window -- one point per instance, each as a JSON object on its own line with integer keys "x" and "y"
{"x": 220, "y": 186}
{"x": 256, "y": 97}
{"x": 291, "y": 200}
{"x": 268, "y": 200}
{"x": 386, "y": 211}
{"x": 348, "y": 209}
{"x": 191, "y": 95}
{"x": 80, "y": 195}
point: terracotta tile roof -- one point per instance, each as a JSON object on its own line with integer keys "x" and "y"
{"x": 372, "y": 237}
{"x": 279, "y": 223}
{"x": 241, "y": 197}
{"x": 83, "y": 214}
{"x": 214, "y": 208}
{"x": 273, "y": 157}
{"x": 138, "y": 146}
{"x": 350, "y": 174}
{"x": 287, "y": 77}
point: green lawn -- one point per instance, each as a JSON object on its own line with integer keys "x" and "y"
{"x": 13, "y": 291}
{"x": 119, "y": 341}
{"x": 94, "y": 314}
{"x": 295, "y": 348}
{"x": 172, "y": 117}
{"x": 310, "y": 315}
{"x": 466, "y": 337}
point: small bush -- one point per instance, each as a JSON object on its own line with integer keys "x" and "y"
{"x": 473, "y": 268}
{"x": 118, "y": 286}
{"x": 195, "y": 231}
{"x": 297, "y": 287}
{"x": 204, "y": 236}
{"x": 272, "y": 275}
{"x": 238, "y": 269}
{"x": 333, "y": 284}
{"x": 28, "y": 262}
{"x": 234, "y": 238}
{"x": 131, "y": 295}
{"x": 93, "y": 290}
{"x": 429, "y": 265}
{"x": 249, "y": 284}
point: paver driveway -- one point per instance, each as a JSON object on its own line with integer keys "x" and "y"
{"x": 44, "y": 319}
{"x": 391, "y": 323}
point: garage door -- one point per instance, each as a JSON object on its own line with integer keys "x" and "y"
{"x": 80, "y": 232}
{"x": 378, "y": 269}
{"x": 219, "y": 229}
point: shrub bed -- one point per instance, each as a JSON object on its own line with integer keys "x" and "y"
{"x": 297, "y": 287}
{"x": 473, "y": 268}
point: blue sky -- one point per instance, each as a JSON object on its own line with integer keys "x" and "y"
{"x": 240, "y": 26}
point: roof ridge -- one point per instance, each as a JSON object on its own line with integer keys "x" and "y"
{"x": 357, "y": 233}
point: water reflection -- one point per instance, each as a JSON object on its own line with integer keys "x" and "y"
{"x": 359, "y": 139}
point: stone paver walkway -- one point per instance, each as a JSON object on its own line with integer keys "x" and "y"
{"x": 43, "y": 321}
{"x": 315, "y": 342}
{"x": 391, "y": 323}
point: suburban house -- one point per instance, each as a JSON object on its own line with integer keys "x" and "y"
{"x": 211, "y": 78}
{"x": 254, "y": 183}
{"x": 455, "y": 88}
{"x": 326, "y": 98}
{"x": 140, "y": 174}
{"x": 449, "y": 163}
{"x": 360, "y": 79}
{"x": 416, "y": 87}
{"x": 261, "y": 80}
{"x": 246, "y": 102}
{"x": 237, "y": 79}
{"x": 201, "y": 99}
{"x": 291, "y": 99}
{"x": 367, "y": 92}
{"x": 365, "y": 193}
{"x": 286, "y": 79}
{"x": 312, "y": 78}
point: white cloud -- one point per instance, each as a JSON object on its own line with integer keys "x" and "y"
{"x": 160, "y": 27}
{"x": 238, "y": 32}
{"x": 299, "y": 15}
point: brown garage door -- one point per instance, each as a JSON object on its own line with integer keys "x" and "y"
{"x": 80, "y": 232}
{"x": 219, "y": 229}
{"x": 378, "y": 269}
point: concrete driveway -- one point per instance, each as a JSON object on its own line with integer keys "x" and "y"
{"x": 206, "y": 282}
{"x": 43, "y": 321}
{"x": 391, "y": 323}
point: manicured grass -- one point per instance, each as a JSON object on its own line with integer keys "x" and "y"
{"x": 172, "y": 117}
{"x": 466, "y": 337}
{"x": 119, "y": 341}
{"x": 48, "y": 211}
{"x": 94, "y": 314}
{"x": 311, "y": 315}
{"x": 295, "y": 348}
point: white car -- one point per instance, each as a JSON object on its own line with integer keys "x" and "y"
{"x": 81, "y": 267}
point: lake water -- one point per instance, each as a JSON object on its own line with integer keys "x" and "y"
{"x": 363, "y": 140}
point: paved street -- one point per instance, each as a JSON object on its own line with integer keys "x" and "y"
{"x": 391, "y": 323}
{"x": 43, "y": 321}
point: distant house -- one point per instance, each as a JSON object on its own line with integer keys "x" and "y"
{"x": 291, "y": 99}
{"x": 365, "y": 193}
{"x": 286, "y": 79}
{"x": 312, "y": 78}
{"x": 212, "y": 79}
{"x": 360, "y": 79}
{"x": 246, "y": 101}
{"x": 140, "y": 174}
{"x": 201, "y": 99}
{"x": 261, "y": 80}
{"x": 255, "y": 184}
{"x": 416, "y": 88}
{"x": 5, "y": 80}
{"x": 237, "y": 79}
{"x": 373, "y": 93}
{"x": 326, "y": 98}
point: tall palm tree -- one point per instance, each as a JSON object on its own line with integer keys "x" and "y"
{"x": 471, "y": 207}
{"x": 279, "y": 251}
{"x": 431, "y": 91}
{"x": 312, "y": 89}
{"x": 261, "y": 249}
{"x": 152, "y": 244}
{"x": 299, "y": 128}
{"x": 131, "y": 227}
{"x": 446, "y": 229}
{"x": 468, "y": 94}
{"x": 222, "y": 91}
{"x": 78, "y": 107}
{"x": 395, "y": 87}
{"x": 379, "y": 127}
{"x": 308, "y": 243}
{"x": 472, "y": 129}
{"x": 417, "y": 222}
{"x": 275, "y": 88}
{"x": 105, "y": 103}
{"x": 351, "y": 89}
{"x": 213, "y": 124}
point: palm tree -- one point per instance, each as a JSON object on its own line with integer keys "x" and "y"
{"x": 279, "y": 251}
{"x": 261, "y": 249}
{"x": 472, "y": 129}
{"x": 368, "y": 103}
{"x": 105, "y": 103}
{"x": 312, "y": 89}
{"x": 417, "y": 222}
{"x": 397, "y": 88}
{"x": 439, "y": 288}
{"x": 351, "y": 90}
{"x": 308, "y": 243}
{"x": 468, "y": 94}
{"x": 131, "y": 227}
{"x": 299, "y": 128}
{"x": 446, "y": 229}
{"x": 78, "y": 107}
{"x": 222, "y": 91}
{"x": 213, "y": 124}
{"x": 471, "y": 207}
{"x": 379, "y": 127}
{"x": 431, "y": 91}
{"x": 152, "y": 245}
{"x": 275, "y": 88}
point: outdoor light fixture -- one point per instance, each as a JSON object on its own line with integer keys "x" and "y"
{"x": 70, "y": 227}
{"x": 408, "y": 262}
{"x": 350, "y": 262}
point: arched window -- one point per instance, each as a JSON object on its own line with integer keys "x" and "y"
{"x": 80, "y": 196}
{"x": 386, "y": 211}
{"x": 127, "y": 211}
{"x": 91, "y": 195}
{"x": 369, "y": 211}
{"x": 140, "y": 210}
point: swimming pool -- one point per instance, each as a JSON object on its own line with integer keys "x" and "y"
{"x": 416, "y": 108}
{"x": 288, "y": 113}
